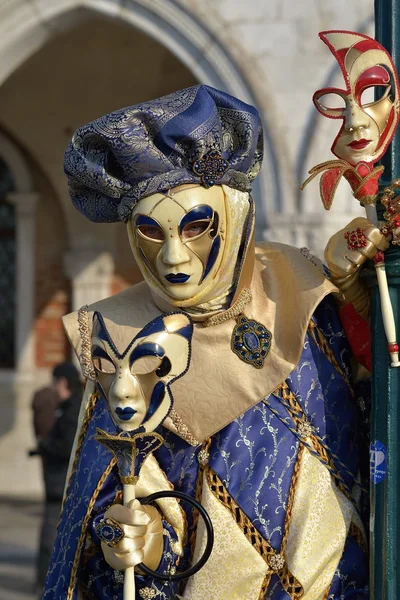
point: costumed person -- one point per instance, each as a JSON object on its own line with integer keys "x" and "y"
{"x": 265, "y": 430}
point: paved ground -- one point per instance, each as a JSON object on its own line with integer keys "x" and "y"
{"x": 19, "y": 530}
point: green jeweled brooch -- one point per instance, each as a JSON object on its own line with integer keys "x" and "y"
{"x": 251, "y": 341}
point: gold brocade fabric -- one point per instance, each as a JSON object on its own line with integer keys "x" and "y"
{"x": 239, "y": 567}
{"x": 320, "y": 512}
{"x": 235, "y": 568}
{"x": 152, "y": 479}
{"x": 286, "y": 288}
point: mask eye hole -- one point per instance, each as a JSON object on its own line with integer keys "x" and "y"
{"x": 101, "y": 361}
{"x": 373, "y": 94}
{"x": 103, "y": 365}
{"x": 195, "y": 229}
{"x": 164, "y": 368}
{"x": 331, "y": 102}
{"x": 151, "y": 232}
{"x": 145, "y": 365}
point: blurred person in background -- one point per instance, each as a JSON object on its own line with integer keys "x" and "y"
{"x": 44, "y": 406}
{"x": 55, "y": 418}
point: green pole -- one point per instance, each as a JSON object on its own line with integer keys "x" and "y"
{"x": 385, "y": 417}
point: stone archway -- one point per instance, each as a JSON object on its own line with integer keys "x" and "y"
{"x": 27, "y": 25}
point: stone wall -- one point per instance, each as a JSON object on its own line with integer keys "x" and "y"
{"x": 276, "y": 44}
{"x": 52, "y": 287}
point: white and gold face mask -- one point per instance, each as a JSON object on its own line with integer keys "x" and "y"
{"x": 186, "y": 242}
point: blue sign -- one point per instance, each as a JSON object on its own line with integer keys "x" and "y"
{"x": 378, "y": 461}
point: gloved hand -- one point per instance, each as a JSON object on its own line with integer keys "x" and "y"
{"x": 345, "y": 255}
{"x": 143, "y": 536}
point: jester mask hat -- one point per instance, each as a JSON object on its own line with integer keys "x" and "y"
{"x": 178, "y": 170}
{"x": 368, "y": 125}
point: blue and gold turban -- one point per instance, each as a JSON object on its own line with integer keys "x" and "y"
{"x": 197, "y": 135}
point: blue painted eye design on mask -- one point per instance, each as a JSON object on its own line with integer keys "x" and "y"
{"x": 212, "y": 257}
{"x": 199, "y": 213}
{"x": 149, "y": 228}
{"x": 204, "y": 214}
{"x": 146, "y": 349}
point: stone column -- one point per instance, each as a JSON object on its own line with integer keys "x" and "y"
{"x": 25, "y": 207}
{"x": 90, "y": 271}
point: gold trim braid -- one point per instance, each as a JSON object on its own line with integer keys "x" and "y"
{"x": 290, "y": 500}
{"x": 236, "y": 309}
{"x": 85, "y": 424}
{"x": 182, "y": 429}
{"x": 85, "y": 356}
{"x": 74, "y": 572}
{"x": 199, "y": 494}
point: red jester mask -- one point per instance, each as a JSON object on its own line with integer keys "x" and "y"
{"x": 368, "y": 124}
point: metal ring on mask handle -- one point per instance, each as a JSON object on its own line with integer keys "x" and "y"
{"x": 209, "y": 529}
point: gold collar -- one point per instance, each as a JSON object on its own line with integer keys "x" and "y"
{"x": 286, "y": 288}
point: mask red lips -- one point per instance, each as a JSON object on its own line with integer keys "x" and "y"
{"x": 359, "y": 144}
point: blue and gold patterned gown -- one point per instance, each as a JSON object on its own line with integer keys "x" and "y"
{"x": 283, "y": 484}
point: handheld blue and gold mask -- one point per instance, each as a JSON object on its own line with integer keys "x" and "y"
{"x": 136, "y": 382}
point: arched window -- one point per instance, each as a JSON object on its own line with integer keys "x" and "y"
{"x": 7, "y": 271}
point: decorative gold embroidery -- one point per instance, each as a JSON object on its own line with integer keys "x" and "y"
{"x": 203, "y": 457}
{"x": 235, "y": 310}
{"x": 182, "y": 429}
{"x": 199, "y": 491}
{"x": 84, "y": 525}
{"x": 276, "y": 562}
{"x": 305, "y": 429}
{"x": 290, "y": 402}
{"x": 85, "y": 357}
{"x": 263, "y": 547}
{"x": 320, "y": 340}
{"x": 147, "y": 593}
